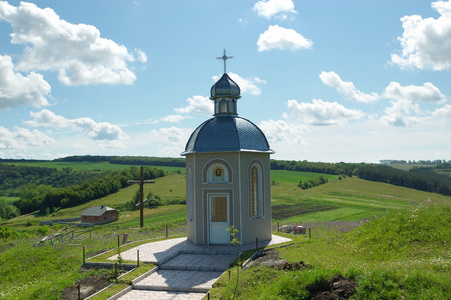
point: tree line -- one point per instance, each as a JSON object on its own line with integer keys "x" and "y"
{"x": 46, "y": 189}
{"x": 13, "y": 178}
{"x": 46, "y": 198}
{"x": 128, "y": 160}
{"x": 423, "y": 179}
{"x": 417, "y": 178}
{"x": 315, "y": 167}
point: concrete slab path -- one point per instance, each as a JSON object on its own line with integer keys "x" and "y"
{"x": 186, "y": 271}
{"x": 153, "y": 295}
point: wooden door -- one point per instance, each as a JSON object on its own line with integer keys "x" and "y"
{"x": 219, "y": 220}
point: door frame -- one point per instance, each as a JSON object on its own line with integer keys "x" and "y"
{"x": 209, "y": 225}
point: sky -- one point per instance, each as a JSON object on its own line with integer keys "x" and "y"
{"x": 325, "y": 80}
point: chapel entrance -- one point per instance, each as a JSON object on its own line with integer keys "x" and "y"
{"x": 219, "y": 219}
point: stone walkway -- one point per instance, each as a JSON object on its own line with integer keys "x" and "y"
{"x": 186, "y": 271}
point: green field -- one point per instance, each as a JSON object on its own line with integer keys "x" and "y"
{"x": 9, "y": 200}
{"x": 400, "y": 255}
{"x": 341, "y": 200}
{"x": 348, "y": 199}
{"x": 422, "y": 260}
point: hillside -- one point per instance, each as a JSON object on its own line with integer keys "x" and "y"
{"x": 401, "y": 255}
{"x": 378, "y": 255}
{"x": 348, "y": 199}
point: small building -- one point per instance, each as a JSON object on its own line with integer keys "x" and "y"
{"x": 227, "y": 174}
{"x": 99, "y": 215}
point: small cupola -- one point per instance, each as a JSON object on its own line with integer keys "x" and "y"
{"x": 225, "y": 93}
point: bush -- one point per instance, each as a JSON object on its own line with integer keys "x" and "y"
{"x": 312, "y": 182}
{"x": 42, "y": 230}
{"x": 7, "y": 233}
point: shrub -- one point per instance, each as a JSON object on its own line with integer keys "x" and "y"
{"x": 312, "y": 182}
{"x": 42, "y": 230}
{"x": 7, "y": 233}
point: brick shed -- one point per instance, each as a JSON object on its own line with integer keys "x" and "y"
{"x": 99, "y": 215}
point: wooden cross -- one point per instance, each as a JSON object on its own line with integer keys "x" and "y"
{"x": 224, "y": 58}
{"x": 141, "y": 182}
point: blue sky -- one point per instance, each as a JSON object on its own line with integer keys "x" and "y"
{"x": 326, "y": 80}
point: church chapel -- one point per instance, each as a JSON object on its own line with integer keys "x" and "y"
{"x": 227, "y": 174}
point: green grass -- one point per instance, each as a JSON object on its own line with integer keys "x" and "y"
{"x": 9, "y": 200}
{"x": 407, "y": 167}
{"x": 171, "y": 213}
{"x": 420, "y": 260}
{"x": 346, "y": 200}
{"x": 294, "y": 177}
{"x": 37, "y": 272}
{"x": 401, "y": 255}
{"x": 169, "y": 187}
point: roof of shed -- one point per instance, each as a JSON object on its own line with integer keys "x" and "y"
{"x": 96, "y": 211}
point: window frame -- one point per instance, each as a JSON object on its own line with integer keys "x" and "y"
{"x": 256, "y": 191}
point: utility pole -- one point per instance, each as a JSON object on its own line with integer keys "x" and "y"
{"x": 141, "y": 182}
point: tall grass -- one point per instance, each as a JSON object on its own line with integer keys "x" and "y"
{"x": 401, "y": 255}
{"x": 403, "y": 251}
{"x": 32, "y": 270}
{"x": 37, "y": 272}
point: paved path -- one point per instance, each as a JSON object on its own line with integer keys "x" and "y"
{"x": 146, "y": 295}
{"x": 186, "y": 271}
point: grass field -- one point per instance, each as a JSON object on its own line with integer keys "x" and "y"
{"x": 348, "y": 199}
{"x": 9, "y": 200}
{"x": 407, "y": 167}
{"x": 401, "y": 255}
{"x": 380, "y": 257}
{"x": 168, "y": 187}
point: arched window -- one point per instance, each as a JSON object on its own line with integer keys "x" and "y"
{"x": 255, "y": 191}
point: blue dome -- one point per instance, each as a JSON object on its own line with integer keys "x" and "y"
{"x": 225, "y": 87}
{"x": 227, "y": 133}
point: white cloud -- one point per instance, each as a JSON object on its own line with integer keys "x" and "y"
{"x": 174, "y": 118}
{"x": 163, "y": 142}
{"x": 276, "y": 37}
{"x": 21, "y": 138}
{"x": 17, "y": 90}
{"x": 99, "y": 130}
{"x": 443, "y": 112}
{"x": 274, "y": 8}
{"x": 247, "y": 85}
{"x": 75, "y": 51}
{"x": 141, "y": 56}
{"x": 347, "y": 88}
{"x": 399, "y": 113}
{"x": 172, "y": 134}
{"x": 197, "y": 104}
{"x": 426, "y": 43}
{"x": 281, "y": 131}
{"x": 320, "y": 112}
{"x": 426, "y": 93}
{"x": 47, "y": 118}
{"x": 103, "y": 131}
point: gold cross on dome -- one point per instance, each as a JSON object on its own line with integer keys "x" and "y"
{"x": 224, "y": 57}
